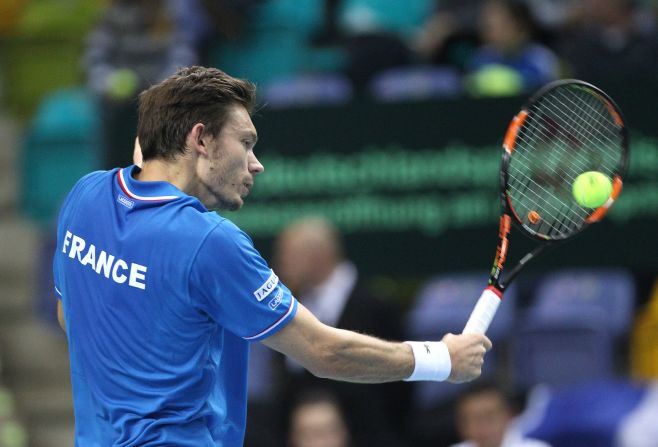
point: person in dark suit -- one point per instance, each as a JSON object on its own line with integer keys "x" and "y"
{"x": 309, "y": 257}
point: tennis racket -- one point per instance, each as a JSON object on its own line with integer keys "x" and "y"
{"x": 567, "y": 128}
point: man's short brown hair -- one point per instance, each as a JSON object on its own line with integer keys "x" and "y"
{"x": 169, "y": 110}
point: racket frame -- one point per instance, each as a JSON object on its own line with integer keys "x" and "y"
{"x": 507, "y": 209}
{"x": 490, "y": 299}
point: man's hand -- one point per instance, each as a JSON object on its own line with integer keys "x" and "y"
{"x": 466, "y": 355}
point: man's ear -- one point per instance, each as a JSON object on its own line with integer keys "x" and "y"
{"x": 137, "y": 154}
{"x": 197, "y": 141}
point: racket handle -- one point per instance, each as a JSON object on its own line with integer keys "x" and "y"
{"x": 483, "y": 312}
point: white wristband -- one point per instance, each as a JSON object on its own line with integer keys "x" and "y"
{"x": 432, "y": 361}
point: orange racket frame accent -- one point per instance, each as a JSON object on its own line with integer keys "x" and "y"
{"x": 603, "y": 209}
{"x": 513, "y": 130}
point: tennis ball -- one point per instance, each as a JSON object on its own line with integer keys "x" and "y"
{"x": 122, "y": 84}
{"x": 494, "y": 80}
{"x": 591, "y": 189}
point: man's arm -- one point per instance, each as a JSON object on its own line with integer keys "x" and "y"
{"x": 344, "y": 355}
{"x": 60, "y": 315}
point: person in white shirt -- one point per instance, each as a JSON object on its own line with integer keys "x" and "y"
{"x": 485, "y": 418}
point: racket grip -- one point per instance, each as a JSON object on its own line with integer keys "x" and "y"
{"x": 483, "y": 312}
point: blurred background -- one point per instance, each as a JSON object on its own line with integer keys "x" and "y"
{"x": 380, "y": 127}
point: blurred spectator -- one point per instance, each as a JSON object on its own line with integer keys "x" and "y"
{"x": 266, "y": 41}
{"x": 449, "y": 36}
{"x": 606, "y": 43}
{"x": 485, "y": 419}
{"x": 552, "y": 14}
{"x": 328, "y": 33}
{"x": 369, "y": 53}
{"x": 317, "y": 420}
{"x": 227, "y": 19}
{"x": 195, "y": 18}
{"x": 510, "y": 59}
{"x": 135, "y": 44}
{"x": 309, "y": 259}
{"x": 376, "y": 34}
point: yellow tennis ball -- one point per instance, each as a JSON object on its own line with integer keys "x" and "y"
{"x": 591, "y": 189}
{"x": 122, "y": 84}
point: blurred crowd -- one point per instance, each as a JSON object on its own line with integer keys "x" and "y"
{"x": 568, "y": 329}
{"x": 310, "y": 52}
{"x": 315, "y": 52}
{"x": 319, "y": 52}
{"x": 419, "y": 48}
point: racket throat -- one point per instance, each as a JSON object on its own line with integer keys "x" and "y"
{"x": 502, "y": 283}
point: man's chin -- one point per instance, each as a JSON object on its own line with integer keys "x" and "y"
{"x": 233, "y": 205}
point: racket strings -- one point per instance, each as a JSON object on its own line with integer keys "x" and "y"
{"x": 587, "y": 122}
{"x": 525, "y": 190}
{"x": 593, "y": 138}
{"x": 569, "y": 131}
{"x": 546, "y": 208}
{"x": 599, "y": 128}
{"x": 553, "y": 156}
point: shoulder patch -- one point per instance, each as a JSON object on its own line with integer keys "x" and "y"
{"x": 267, "y": 287}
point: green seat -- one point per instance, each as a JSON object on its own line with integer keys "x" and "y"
{"x": 402, "y": 17}
{"x": 276, "y": 44}
{"x": 60, "y": 146}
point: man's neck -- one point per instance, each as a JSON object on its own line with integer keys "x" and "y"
{"x": 176, "y": 172}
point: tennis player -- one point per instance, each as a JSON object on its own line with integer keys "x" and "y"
{"x": 161, "y": 298}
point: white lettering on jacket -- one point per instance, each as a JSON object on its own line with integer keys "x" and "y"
{"x": 104, "y": 264}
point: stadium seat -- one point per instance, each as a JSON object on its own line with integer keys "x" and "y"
{"x": 562, "y": 351}
{"x": 570, "y": 331}
{"x": 415, "y": 83}
{"x": 274, "y": 45}
{"x": 308, "y": 90}
{"x": 581, "y": 292}
{"x": 593, "y": 414}
{"x": 402, "y": 18}
{"x": 60, "y": 146}
{"x": 261, "y": 57}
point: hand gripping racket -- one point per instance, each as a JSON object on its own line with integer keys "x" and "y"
{"x": 567, "y": 128}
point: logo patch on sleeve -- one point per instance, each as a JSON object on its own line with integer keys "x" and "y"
{"x": 267, "y": 287}
{"x": 278, "y": 297}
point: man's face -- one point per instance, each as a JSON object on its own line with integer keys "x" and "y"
{"x": 227, "y": 174}
{"x": 499, "y": 28}
{"x": 318, "y": 425}
{"x": 483, "y": 419}
{"x": 295, "y": 261}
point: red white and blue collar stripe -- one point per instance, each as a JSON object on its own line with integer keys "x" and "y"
{"x": 155, "y": 190}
